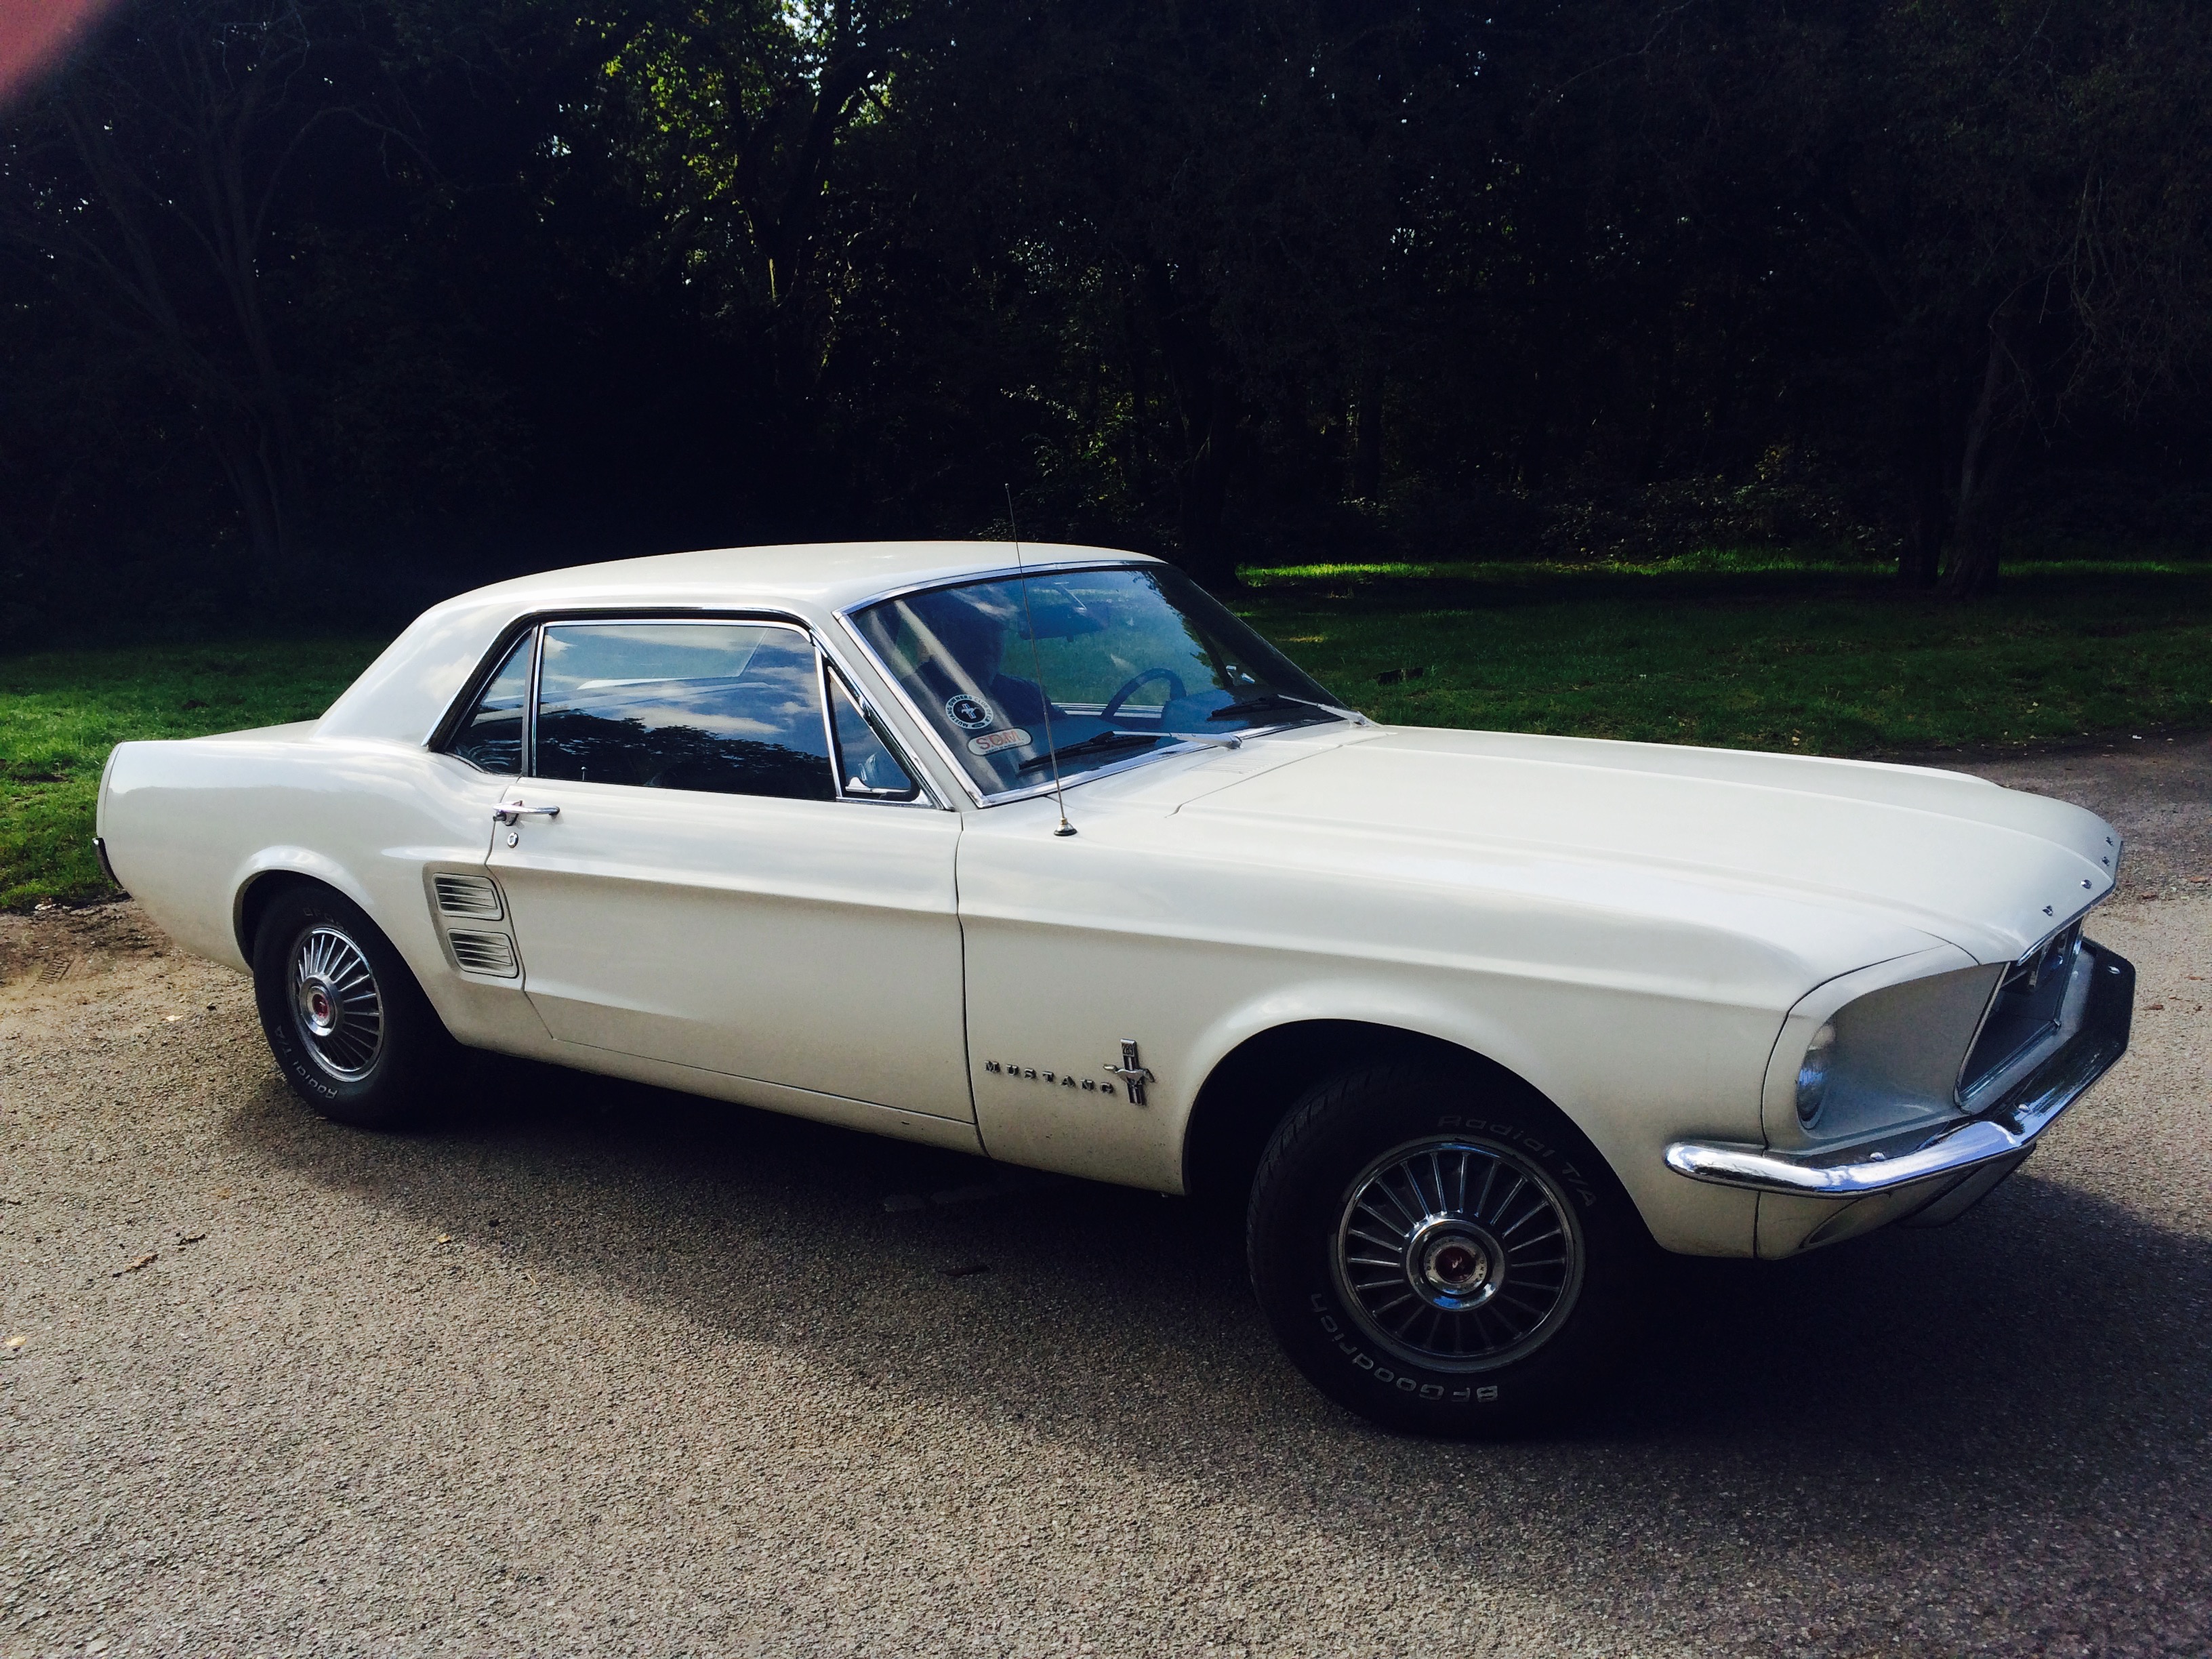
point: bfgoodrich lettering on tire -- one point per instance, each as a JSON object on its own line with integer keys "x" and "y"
{"x": 1441, "y": 1251}
{"x": 348, "y": 1025}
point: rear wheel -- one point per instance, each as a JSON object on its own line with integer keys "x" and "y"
{"x": 1441, "y": 1255}
{"x": 349, "y": 1026}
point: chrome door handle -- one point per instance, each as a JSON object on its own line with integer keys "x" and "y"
{"x": 514, "y": 811}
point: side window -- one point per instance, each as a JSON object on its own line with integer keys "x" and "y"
{"x": 728, "y": 707}
{"x": 866, "y": 768}
{"x": 491, "y": 737}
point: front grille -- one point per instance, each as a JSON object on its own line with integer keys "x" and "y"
{"x": 484, "y": 953}
{"x": 467, "y": 896}
{"x": 2026, "y": 1010}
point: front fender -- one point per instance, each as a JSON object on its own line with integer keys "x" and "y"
{"x": 1663, "y": 1061}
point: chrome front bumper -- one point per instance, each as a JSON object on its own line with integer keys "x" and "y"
{"x": 1953, "y": 1167}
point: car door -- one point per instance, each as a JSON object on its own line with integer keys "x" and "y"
{"x": 717, "y": 859}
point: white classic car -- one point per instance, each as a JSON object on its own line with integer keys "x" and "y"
{"x": 1041, "y": 853}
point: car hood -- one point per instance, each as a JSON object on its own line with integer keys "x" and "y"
{"x": 1989, "y": 870}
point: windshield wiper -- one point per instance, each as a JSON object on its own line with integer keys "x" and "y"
{"x": 1093, "y": 744}
{"x": 1266, "y": 702}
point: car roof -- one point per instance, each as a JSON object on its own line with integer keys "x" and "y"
{"x": 823, "y": 576}
{"x": 404, "y": 692}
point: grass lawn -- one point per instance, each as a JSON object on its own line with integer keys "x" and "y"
{"x": 61, "y": 712}
{"x": 1745, "y": 651}
{"x": 1828, "y": 660}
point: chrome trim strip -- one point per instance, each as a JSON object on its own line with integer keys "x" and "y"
{"x": 748, "y": 616}
{"x": 633, "y": 619}
{"x": 829, "y": 669}
{"x": 527, "y": 766}
{"x": 533, "y": 623}
{"x": 931, "y": 796}
{"x": 100, "y": 852}
{"x": 829, "y": 718}
{"x": 1903, "y": 1160}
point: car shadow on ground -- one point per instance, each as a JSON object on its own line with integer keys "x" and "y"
{"x": 2008, "y": 1388}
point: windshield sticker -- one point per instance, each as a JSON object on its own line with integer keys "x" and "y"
{"x": 991, "y": 741}
{"x": 969, "y": 712}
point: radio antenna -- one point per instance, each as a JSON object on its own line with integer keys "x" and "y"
{"x": 1037, "y": 665}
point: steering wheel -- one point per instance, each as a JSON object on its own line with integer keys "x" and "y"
{"x": 1134, "y": 682}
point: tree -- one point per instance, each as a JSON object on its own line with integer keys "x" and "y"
{"x": 1190, "y": 211}
{"x": 2029, "y": 189}
{"x": 146, "y": 184}
{"x": 727, "y": 119}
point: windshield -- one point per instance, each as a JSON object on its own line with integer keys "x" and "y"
{"x": 1118, "y": 663}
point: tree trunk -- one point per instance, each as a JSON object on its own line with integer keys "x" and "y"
{"x": 1922, "y": 427}
{"x": 1367, "y": 435}
{"x": 1140, "y": 398}
{"x": 1203, "y": 499}
{"x": 1922, "y": 556}
{"x": 1983, "y": 460}
{"x": 1211, "y": 419}
{"x": 182, "y": 272}
{"x": 259, "y": 507}
{"x": 788, "y": 218}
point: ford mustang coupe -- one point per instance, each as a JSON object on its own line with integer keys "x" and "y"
{"x": 1041, "y": 853}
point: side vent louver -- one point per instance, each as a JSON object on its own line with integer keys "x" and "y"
{"x": 483, "y": 953}
{"x": 468, "y": 896}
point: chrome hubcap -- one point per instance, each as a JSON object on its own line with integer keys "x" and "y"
{"x": 1452, "y": 1265}
{"x": 1457, "y": 1254}
{"x": 336, "y": 1004}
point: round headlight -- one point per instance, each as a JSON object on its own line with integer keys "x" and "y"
{"x": 1812, "y": 1074}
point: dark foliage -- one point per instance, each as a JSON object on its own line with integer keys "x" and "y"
{"x": 343, "y": 303}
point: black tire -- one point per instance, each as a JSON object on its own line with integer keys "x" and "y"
{"x": 371, "y": 1053}
{"x": 1449, "y": 1315}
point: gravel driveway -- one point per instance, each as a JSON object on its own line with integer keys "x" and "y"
{"x": 603, "y": 1369}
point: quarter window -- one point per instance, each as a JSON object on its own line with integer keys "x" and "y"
{"x": 491, "y": 737}
{"x": 728, "y": 707}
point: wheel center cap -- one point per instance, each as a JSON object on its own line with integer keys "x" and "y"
{"x": 1456, "y": 1265}
{"x": 1453, "y": 1266}
{"x": 322, "y": 1014}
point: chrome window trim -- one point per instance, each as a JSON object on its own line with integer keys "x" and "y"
{"x": 528, "y": 768}
{"x": 448, "y": 728}
{"x": 846, "y": 618}
{"x": 931, "y": 796}
{"x": 746, "y": 615}
{"x": 825, "y": 668}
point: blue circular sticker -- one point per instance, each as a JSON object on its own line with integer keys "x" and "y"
{"x": 969, "y": 712}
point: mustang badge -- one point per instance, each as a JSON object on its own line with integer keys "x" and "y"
{"x": 1132, "y": 1072}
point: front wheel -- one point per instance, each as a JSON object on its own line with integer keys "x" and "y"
{"x": 349, "y": 1026}
{"x": 1442, "y": 1254}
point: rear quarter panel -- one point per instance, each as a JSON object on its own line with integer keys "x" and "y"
{"x": 189, "y": 824}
